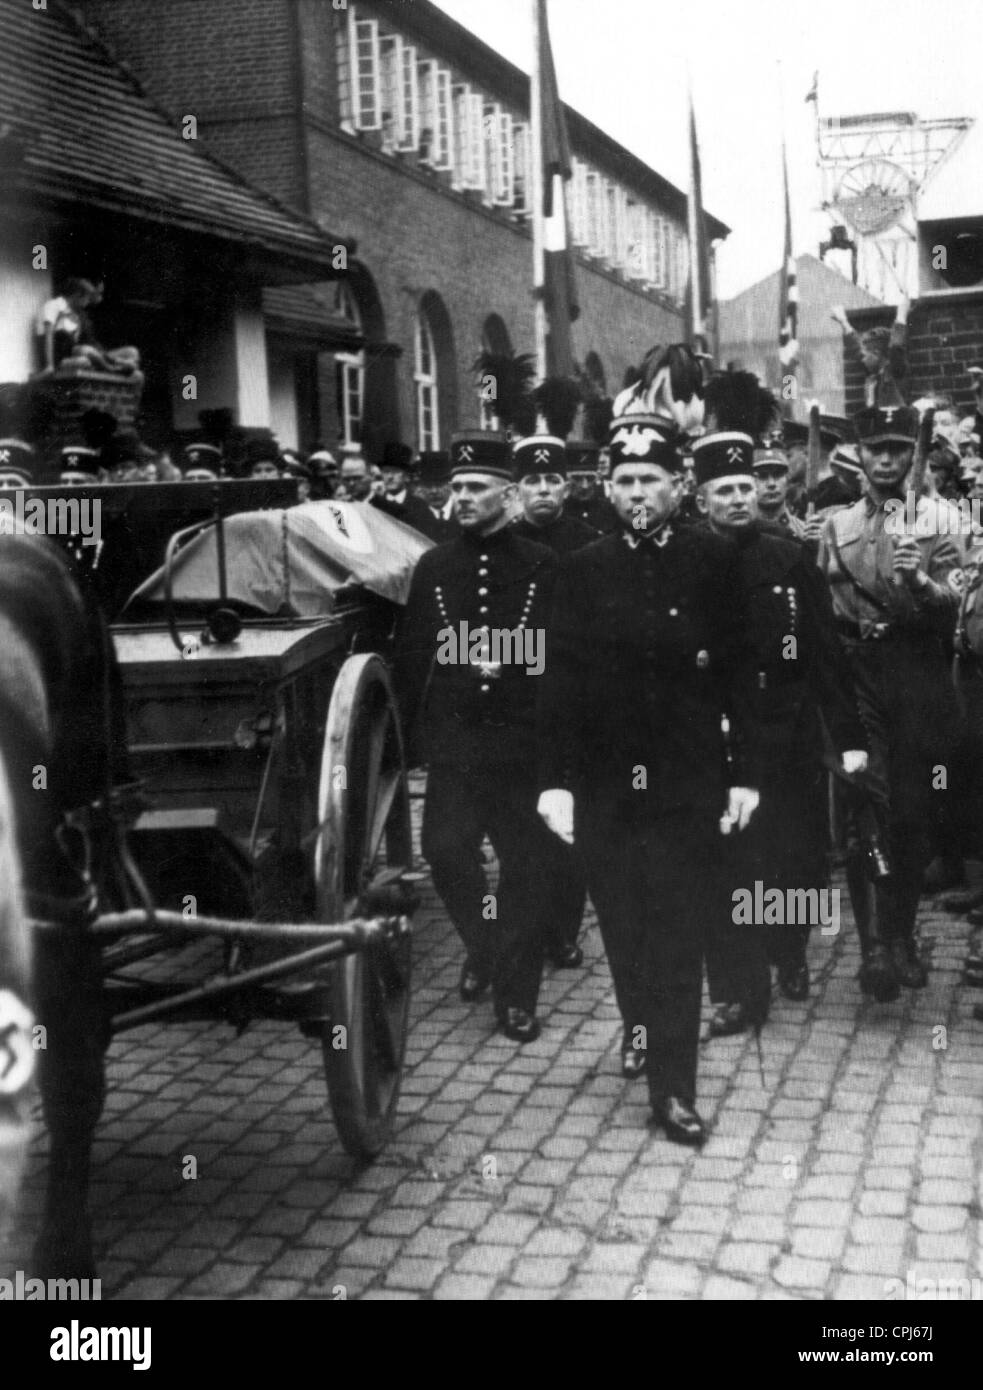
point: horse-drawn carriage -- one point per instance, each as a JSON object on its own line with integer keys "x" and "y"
{"x": 263, "y": 831}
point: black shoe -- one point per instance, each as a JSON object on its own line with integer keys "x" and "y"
{"x": 907, "y": 963}
{"x": 963, "y": 899}
{"x": 680, "y": 1121}
{"x": 728, "y": 1019}
{"x": 473, "y": 983}
{"x": 632, "y": 1062}
{"x": 567, "y": 957}
{"x": 793, "y": 981}
{"x": 877, "y": 975}
{"x": 518, "y": 1025}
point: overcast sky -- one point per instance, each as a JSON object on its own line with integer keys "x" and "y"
{"x": 623, "y": 64}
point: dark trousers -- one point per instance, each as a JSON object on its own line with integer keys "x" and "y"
{"x": 565, "y": 895}
{"x": 503, "y": 934}
{"x": 908, "y": 707}
{"x": 654, "y": 887}
{"x": 783, "y": 847}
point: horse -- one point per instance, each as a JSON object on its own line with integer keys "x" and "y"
{"x": 62, "y": 743}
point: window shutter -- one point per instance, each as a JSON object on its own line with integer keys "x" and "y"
{"x": 523, "y": 165}
{"x": 390, "y": 55}
{"x": 595, "y": 225}
{"x": 505, "y": 193}
{"x": 442, "y": 129}
{"x": 366, "y": 75}
{"x": 475, "y": 145}
{"x": 409, "y": 135}
{"x": 579, "y": 232}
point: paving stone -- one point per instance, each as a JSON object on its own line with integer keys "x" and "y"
{"x": 796, "y": 1273}
{"x": 486, "y": 1259}
{"x": 936, "y": 1220}
{"x": 818, "y": 1243}
{"x": 465, "y": 1287}
{"x": 745, "y": 1257}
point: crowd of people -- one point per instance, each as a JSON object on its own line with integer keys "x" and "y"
{"x": 728, "y": 634}
{"x": 725, "y": 640}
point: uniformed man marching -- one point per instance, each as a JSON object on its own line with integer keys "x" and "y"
{"x": 541, "y": 475}
{"x": 803, "y": 680}
{"x": 540, "y": 463}
{"x": 648, "y": 649}
{"x": 470, "y": 654}
{"x": 771, "y": 476}
{"x": 895, "y": 584}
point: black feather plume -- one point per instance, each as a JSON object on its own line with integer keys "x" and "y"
{"x": 558, "y": 399}
{"x": 598, "y": 414}
{"x": 738, "y": 401}
{"x": 509, "y": 377}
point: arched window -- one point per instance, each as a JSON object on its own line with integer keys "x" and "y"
{"x": 425, "y": 374}
{"x": 349, "y": 374}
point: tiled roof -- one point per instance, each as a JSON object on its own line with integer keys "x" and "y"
{"x": 91, "y": 136}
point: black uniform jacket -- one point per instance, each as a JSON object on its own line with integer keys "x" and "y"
{"x": 649, "y": 649}
{"x": 415, "y": 512}
{"x": 596, "y": 513}
{"x": 455, "y": 716}
{"x": 802, "y": 670}
{"x": 564, "y": 534}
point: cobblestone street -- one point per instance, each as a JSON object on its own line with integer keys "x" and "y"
{"x": 529, "y": 1173}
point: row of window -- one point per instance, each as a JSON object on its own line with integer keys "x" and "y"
{"x": 386, "y": 84}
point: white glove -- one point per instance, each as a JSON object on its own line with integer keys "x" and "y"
{"x": 854, "y": 761}
{"x": 556, "y": 809}
{"x": 742, "y": 802}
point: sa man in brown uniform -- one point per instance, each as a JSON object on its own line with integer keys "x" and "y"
{"x": 896, "y": 586}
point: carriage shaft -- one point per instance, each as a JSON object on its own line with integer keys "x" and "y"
{"x": 230, "y": 985}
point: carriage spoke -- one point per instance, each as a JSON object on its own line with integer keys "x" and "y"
{"x": 385, "y": 1019}
{"x": 388, "y": 786}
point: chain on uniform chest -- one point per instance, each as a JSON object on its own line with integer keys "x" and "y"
{"x": 483, "y": 592}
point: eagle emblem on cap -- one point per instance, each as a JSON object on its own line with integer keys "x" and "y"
{"x": 636, "y": 443}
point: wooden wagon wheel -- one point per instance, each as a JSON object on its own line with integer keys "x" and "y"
{"x": 364, "y": 812}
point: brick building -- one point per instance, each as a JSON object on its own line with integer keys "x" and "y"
{"x": 391, "y": 123}
{"x": 97, "y": 182}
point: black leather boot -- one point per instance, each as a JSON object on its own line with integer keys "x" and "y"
{"x": 877, "y": 974}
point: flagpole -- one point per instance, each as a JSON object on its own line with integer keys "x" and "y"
{"x": 538, "y": 252}
{"x": 697, "y": 326}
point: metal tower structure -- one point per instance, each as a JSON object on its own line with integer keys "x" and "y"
{"x": 873, "y": 169}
